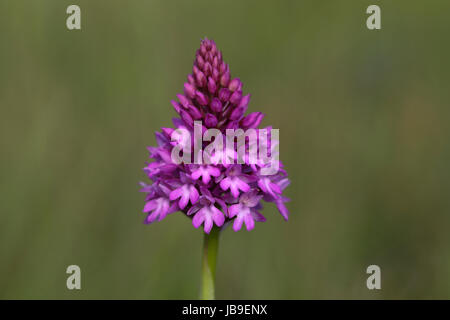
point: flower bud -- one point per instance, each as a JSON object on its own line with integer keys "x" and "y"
{"x": 223, "y": 67}
{"x": 225, "y": 79}
{"x": 195, "y": 70}
{"x": 252, "y": 120}
{"x": 200, "y": 61}
{"x": 215, "y": 74}
{"x": 216, "y": 105}
{"x": 167, "y": 131}
{"x": 189, "y": 90}
{"x": 209, "y": 57}
{"x": 232, "y": 125}
{"x": 213, "y": 49}
{"x": 176, "y": 106}
{"x": 234, "y": 84}
{"x": 210, "y": 120}
{"x": 191, "y": 79}
{"x": 201, "y": 98}
{"x": 184, "y": 101}
{"x": 203, "y": 50}
{"x": 187, "y": 118}
{"x": 236, "y": 97}
{"x": 200, "y": 77}
{"x": 207, "y": 69}
{"x": 244, "y": 101}
{"x": 211, "y": 85}
{"x": 224, "y": 94}
{"x": 194, "y": 112}
{"x": 237, "y": 113}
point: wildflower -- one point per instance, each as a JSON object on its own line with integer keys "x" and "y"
{"x": 186, "y": 192}
{"x": 206, "y": 212}
{"x": 217, "y": 192}
{"x": 205, "y": 172}
{"x": 246, "y": 211}
{"x": 234, "y": 181}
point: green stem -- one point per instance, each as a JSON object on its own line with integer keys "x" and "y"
{"x": 210, "y": 245}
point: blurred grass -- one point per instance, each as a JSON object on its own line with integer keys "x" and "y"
{"x": 364, "y": 128}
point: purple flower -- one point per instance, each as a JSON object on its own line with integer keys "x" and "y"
{"x": 205, "y": 172}
{"x": 158, "y": 205}
{"x": 206, "y": 212}
{"x": 234, "y": 181}
{"x": 186, "y": 192}
{"x": 157, "y": 208}
{"x": 224, "y": 189}
{"x": 246, "y": 211}
{"x": 267, "y": 186}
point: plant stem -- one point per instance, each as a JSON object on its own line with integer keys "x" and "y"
{"x": 210, "y": 245}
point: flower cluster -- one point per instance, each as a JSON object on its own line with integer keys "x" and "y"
{"x": 215, "y": 193}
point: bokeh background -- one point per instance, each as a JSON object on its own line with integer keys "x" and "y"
{"x": 364, "y": 128}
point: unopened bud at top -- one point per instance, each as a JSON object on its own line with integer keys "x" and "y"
{"x": 234, "y": 84}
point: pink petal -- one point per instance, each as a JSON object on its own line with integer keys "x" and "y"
{"x": 276, "y": 188}
{"x": 218, "y": 217}
{"x": 152, "y": 217}
{"x": 258, "y": 216}
{"x": 233, "y": 210}
{"x": 175, "y": 194}
{"x": 206, "y": 177}
{"x": 193, "y": 194}
{"x": 243, "y": 185}
{"x": 215, "y": 172}
{"x": 225, "y": 183}
{"x": 249, "y": 222}
{"x": 196, "y": 174}
{"x": 194, "y": 209}
{"x": 283, "y": 210}
{"x": 183, "y": 201}
{"x": 237, "y": 225}
{"x": 163, "y": 210}
{"x": 149, "y": 206}
{"x": 198, "y": 219}
{"x": 208, "y": 224}
{"x": 234, "y": 190}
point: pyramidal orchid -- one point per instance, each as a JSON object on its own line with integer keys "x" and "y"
{"x": 219, "y": 184}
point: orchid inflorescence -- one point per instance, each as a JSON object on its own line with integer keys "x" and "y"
{"x": 213, "y": 192}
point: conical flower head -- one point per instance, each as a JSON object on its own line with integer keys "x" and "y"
{"x": 210, "y": 94}
{"x": 220, "y": 192}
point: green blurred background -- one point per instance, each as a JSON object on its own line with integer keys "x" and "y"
{"x": 364, "y": 128}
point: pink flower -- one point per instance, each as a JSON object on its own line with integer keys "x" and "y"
{"x": 235, "y": 181}
{"x": 245, "y": 211}
{"x": 186, "y": 192}
{"x": 224, "y": 190}
{"x": 206, "y": 212}
{"x": 205, "y": 172}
